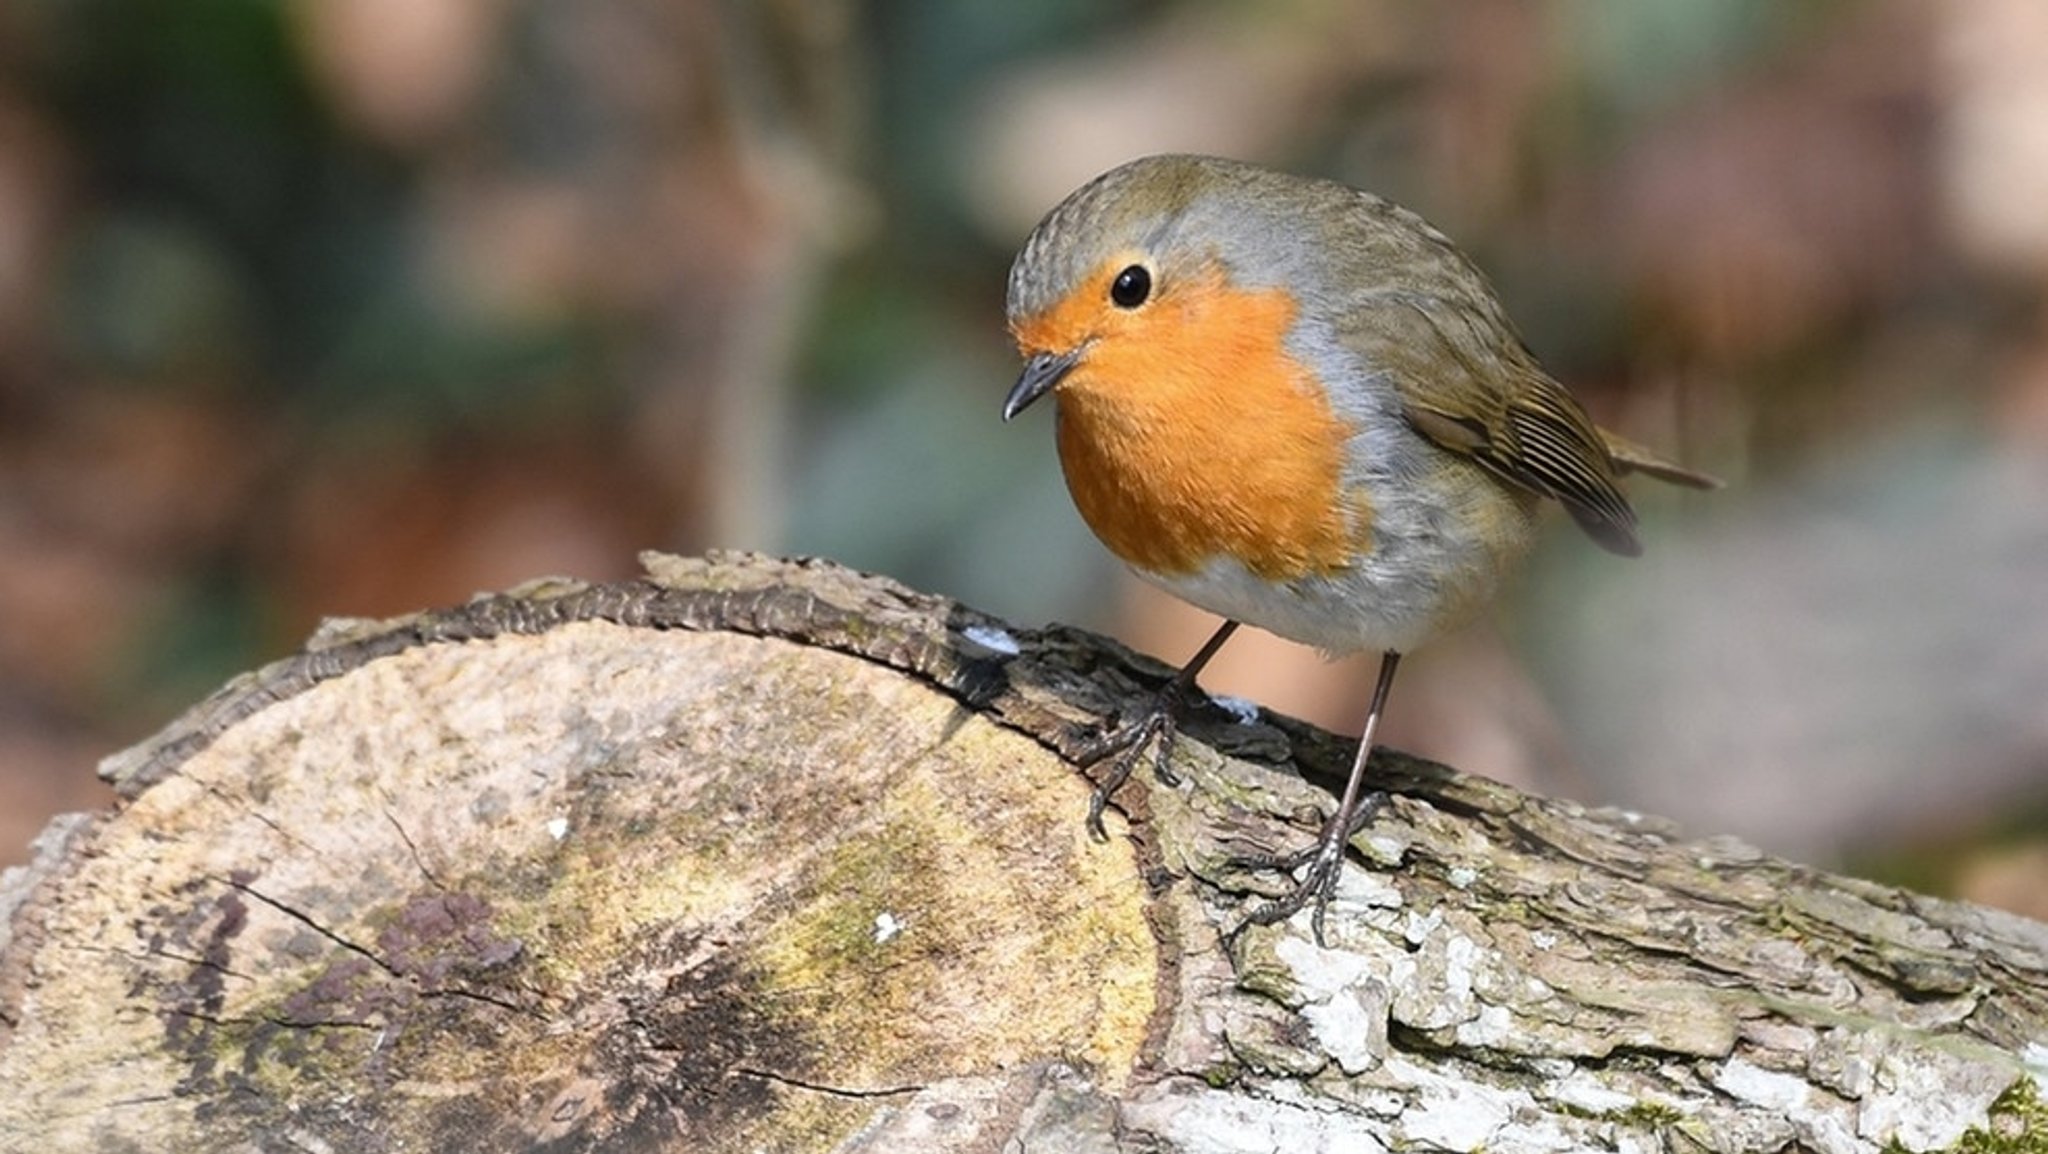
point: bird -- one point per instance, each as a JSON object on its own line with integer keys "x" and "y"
{"x": 1298, "y": 406}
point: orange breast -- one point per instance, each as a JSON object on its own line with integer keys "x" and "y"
{"x": 1188, "y": 432}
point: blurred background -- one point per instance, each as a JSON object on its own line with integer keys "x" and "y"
{"x": 353, "y": 307}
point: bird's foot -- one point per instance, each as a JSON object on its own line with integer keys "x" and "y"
{"x": 1154, "y": 730}
{"x": 1320, "y": 863}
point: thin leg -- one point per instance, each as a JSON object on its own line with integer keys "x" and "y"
{"x": 1356, "y": 809}
{"x": 1158, "y": 723}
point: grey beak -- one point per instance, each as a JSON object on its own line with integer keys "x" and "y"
{"x": 1040, "y": 374}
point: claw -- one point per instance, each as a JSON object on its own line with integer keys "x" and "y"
{"x": 1355, "y": 809}
{"x": 1324, "y": 862}
{"x": 1161, "y": 771}
{"x": 1128, "y": 742}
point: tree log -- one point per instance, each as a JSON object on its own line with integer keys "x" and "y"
{"x": 766, "y": 855}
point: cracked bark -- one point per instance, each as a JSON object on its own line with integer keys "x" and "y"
{"x": 766, "y": 855}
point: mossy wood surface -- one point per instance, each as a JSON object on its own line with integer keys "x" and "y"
{"x": 759, "y": 855}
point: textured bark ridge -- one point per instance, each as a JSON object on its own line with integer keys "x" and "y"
{"x": 767, "y": 855}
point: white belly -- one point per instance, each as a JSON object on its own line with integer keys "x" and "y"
{"x": 1414, "y": 586}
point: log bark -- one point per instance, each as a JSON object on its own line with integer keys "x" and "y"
{"x": 766, "y": 855}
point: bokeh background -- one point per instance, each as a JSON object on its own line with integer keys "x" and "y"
{"x": 352, "y": 307}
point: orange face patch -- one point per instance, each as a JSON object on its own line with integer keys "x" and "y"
{"x": 1188, "y": 432}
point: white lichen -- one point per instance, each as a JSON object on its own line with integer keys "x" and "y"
{"x": 1241, "y": 710}
{"x": 993, "y": 639}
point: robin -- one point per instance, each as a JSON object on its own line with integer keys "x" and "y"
{"x": 1299, "y": 406}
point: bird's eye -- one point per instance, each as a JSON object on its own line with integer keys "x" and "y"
{"x": 1131, "y": 287}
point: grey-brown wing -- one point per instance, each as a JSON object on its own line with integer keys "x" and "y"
{"x": 1468, "y": 385}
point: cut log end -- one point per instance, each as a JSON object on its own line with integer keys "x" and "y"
{"x": 590, "y": 884}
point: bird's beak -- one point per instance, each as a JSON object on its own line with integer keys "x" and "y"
{"x": 1041, "y": 373}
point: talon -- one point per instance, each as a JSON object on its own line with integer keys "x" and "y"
{"x": 1096, "y": 802}
{"x": 1324, "y": 863}
{"x": 1160, "y": 769}
{"x": 1127, "y": 743}
{"x": 1158, "y": 724}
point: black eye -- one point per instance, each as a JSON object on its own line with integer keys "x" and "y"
{"x": 1131, "y": 287}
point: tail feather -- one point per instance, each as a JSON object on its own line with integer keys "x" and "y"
{"x": 1630, "y": 457}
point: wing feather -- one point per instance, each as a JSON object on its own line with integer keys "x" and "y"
{"x": 1467, "y": 383}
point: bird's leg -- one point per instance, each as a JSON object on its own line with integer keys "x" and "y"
{"x": 1155, "y": 728}
{"x": 1325, "y": 859}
